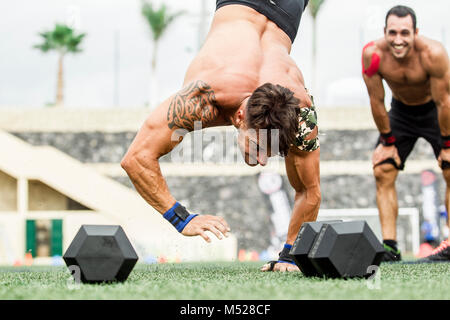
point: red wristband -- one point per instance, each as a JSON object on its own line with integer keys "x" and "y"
{"x": 387, "y": 139}
{"x": 445, "y": 142}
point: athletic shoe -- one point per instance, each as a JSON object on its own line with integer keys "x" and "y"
{"x": 425, "y": 250}
{"x": 391, "y": 254}
{"x": 440, "y": 254}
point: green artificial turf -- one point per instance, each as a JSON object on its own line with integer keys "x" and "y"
{"x": 219, "y": 281}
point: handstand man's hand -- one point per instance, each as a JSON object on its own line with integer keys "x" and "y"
{"x": 198, "y": 225}
{"x": 280, "y": 266}
{"x": 284, "y": 263}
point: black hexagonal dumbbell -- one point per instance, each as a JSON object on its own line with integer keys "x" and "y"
{"x": 303, "y": 243}
{"x": 102, "y": 253}
{"x": 346, "y": 250}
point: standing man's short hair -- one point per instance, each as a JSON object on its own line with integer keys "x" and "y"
{"x": 402, "y": 11}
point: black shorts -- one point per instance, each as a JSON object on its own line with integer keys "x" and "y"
{"x": 286, "y": 14}
{"x": 408, "y": 123}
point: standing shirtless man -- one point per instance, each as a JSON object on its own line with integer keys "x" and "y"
{"x": 242, "y": 76}
{"x": 417, "y": 71}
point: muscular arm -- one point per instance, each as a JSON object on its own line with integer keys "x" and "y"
{"x": 161, "y": 132}
{"x": 375, "y": 89}
{"x": 437, "y": 64}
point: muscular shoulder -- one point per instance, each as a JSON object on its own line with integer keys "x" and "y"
{"x": 371, "y": 57}
{"x": 195, "y": 102}
{"x": 231, "y": 87}
{"x": 433, "y": 56}
{"x": 372, "y": 47}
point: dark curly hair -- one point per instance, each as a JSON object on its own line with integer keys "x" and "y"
{"x": 272, "y": 106}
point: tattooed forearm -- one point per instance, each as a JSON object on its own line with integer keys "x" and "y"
{"x": 196, "y": 102}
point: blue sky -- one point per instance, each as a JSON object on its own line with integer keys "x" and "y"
{"x": 28, "y": 77}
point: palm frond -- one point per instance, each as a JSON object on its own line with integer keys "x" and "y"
{"x": 158, "y": 19}
{"x": 62, "y": 38}
{"x": 314, "y": 7}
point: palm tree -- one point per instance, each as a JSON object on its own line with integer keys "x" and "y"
{"x": 314, "y": 8}
{"x": 63, "y": 40}
{"x": 158, "y": 20}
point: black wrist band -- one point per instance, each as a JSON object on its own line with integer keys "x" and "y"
{"x": 285, "y": 256}
{"x": 445, "y": 142}
{"x": 387, "y": 139}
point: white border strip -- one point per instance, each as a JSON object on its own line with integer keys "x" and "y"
{"x": 327, "y": 168}
{"x": 84, "y": 119}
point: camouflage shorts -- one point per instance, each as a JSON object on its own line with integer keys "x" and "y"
{"x": 307, "y": 121}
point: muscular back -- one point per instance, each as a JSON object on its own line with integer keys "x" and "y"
{"x": 244, "y": 50}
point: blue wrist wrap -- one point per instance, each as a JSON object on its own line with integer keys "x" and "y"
{"x": 285, "y": 257}
{"x": 178, "y": 216}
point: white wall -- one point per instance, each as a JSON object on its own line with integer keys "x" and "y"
{"x": 170, "y": 245}
{"x": 12, "y": 238}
